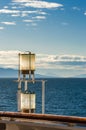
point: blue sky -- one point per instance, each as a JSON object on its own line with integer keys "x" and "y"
{"x": 53, "y": 29}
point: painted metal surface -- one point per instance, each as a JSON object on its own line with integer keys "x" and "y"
{"x": 47, "y": 117}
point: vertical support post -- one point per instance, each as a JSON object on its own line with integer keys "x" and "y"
{"x": 29, "y": 102}
{"x": 29, "y": 65}
{"x": 19, "y": 68}
{"x": 25, "y": 85}
{"x": 43, "y": 96}
{"x": 19, "y": 96}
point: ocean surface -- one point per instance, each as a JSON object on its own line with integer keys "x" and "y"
{"x": 64, "y": 96}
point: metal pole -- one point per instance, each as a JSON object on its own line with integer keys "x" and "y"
{"x": 29, "y": 102}
{"x": 19, "y": 68}
{"x": 19, "y": 96}
{"x": 25, "y": 85}
{"x": 43, "y": 96}
{"x": 19, "y": 88}
{"x": 29, "y": 65}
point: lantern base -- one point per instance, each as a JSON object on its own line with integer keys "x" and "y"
{"x": 28, "y": 110}
{"x": 27, "y": 71}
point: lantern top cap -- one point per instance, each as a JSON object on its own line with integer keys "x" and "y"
{"x": 26, "y": 52}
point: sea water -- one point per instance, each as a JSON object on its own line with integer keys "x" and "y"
{"x": 63, "y": 96}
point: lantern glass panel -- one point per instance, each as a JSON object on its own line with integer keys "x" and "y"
{"x": 28, "y": 101}
{"x": 27, "y": 63}
{"x": 33, "y": 62}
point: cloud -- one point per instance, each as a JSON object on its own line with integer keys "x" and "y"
{"x": 9, "y": 59}
{"x": 14, "y": 7}
{"x": 62, "y": 62}
{"x": 27, "y": 9}
{"x": 40, "y": 17}
{"x": 34, "y": 24}
{"x": 47, "y": 61}
{"x": 76, "y": 8}
{"x": 21, "y": 13}
{"x": 34, "y": 19}
{"x": 5, "y": 7}
{"x": 1, "y": 28}
{"x": 41, "y": 12}
{"x": 55, "y": 65}
{"x": 84, "y": 13}
{"x": 38, "y": 4}
{"x": 28, "y": 21}
{"x": 15, "y": 15}
{"x": 7, "y": 11}
{"x": 9, "y": 23}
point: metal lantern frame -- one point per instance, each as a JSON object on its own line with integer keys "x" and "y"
{"x": 27, "y": 81}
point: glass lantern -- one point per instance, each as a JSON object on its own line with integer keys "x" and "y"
{"x": 28, "y": 104}
{"x": 27, "y": 63}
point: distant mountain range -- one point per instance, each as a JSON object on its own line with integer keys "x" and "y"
{"x": 13, "y": 73}
{"x": 7, "y": 72}
{"x": 81, "y": 76}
